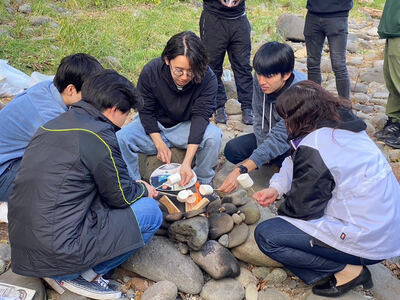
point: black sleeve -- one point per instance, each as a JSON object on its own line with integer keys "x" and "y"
{"x": 100, "y": 153}
{"x": 148, "y": 113}
{"x": 311, "y": 188}
{"x": 203, "y": 108}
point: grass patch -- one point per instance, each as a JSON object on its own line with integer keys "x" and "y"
{"x": 132, "y": 31}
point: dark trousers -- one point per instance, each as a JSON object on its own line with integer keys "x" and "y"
{"x": 308, "y": 258}
{"x": 240, "y": 149}
{"x": 221, "y": 35}
{"x": 336, "y": 30}
{"x": 7, "y": 179}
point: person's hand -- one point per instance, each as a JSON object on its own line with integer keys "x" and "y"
{"x": 266, "y": 196}
{"x": 163, "y": 152}
{"x": 186, "y": 174}
{"x": 230, "y": 183}
{"x": 151, "y": 191}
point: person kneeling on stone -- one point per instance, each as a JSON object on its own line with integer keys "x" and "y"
{"x": 341, "y": 206}
{"x": 179, "y": 92}
{"x": 75, "y": 213}
{"x": 273, "y": 65}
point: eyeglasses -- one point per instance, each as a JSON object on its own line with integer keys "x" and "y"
{"x": 180, "y": 72}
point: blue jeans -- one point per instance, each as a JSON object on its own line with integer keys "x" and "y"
{"x": 149, "y": 217}
{"x": 241, "y": 147}
{"x": 308, "y": 258}
{"x": 336, "y": 30}
{"x": 133, "y": 139}
{"x": 7, "y": 179}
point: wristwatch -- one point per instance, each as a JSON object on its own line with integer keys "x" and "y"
{"x": 243, "y": 169}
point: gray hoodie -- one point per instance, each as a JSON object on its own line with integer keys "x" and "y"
{"x": 269, "y": 127}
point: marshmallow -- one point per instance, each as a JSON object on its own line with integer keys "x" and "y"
{"x": 206, "y": 189}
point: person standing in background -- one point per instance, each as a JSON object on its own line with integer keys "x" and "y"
{"x": 224, "y": 27}
{"x": 328, "y": 18}
{"x": 389, "y": 29}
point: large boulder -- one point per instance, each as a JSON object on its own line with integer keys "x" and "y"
{"x": 223, "y": 289}
{"x": 216, "y": 260}
{"x": 194, "y": 231}
{"x": 161, "y": 260}
{"x": 291, "y": 27}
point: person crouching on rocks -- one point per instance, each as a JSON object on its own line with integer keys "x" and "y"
{"x": 75, "y": 213}
{"x": 179, "y": 91}
{"x": 341, "y": 208}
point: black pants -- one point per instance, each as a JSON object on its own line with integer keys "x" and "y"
{"x": 336, "y": 30}
{"x": 240, "y": 149}
{"x": 221, "y": 35}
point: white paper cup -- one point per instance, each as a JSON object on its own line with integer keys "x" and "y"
{"x": 245, "y": 180}
{"x": 174, "y": 178}
{"x": 206, "y": 189}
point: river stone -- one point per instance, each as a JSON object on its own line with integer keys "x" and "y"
{"x": 277, "y": 275}
{"x": 194, "y": 231}
{"x": 5, "y": 252}
{"x": 238, "y": 235}
{"x": 230, "y": 208}
{"x": 214, "y": 207}
{"x": 219, "y": 224}
{"x": 251, "y": 292}
{"x": 233, "y": 107}
{"x": 352, "y": 295}
{"x": 251, "y": 212}
{"x": 25, "y": 8}
{"x": 250, "y": 253}
{"x": 272, "y": 294}
{"x": 237, "y": 198}
{"x": 183, "y": 248}
{"x": 193, "y": 213}
{"x": 224, "y": 240}
{"x": 160, "y": 260}
{"x": 222, "y": 289}
{"x": 216, "y": 260}
{"x": 230, "y": 89}
{"x": 246, "y": 277}
{"x": 162, "y": 290}
{"x": 32, "y": 283}
{"x": 237, "y": 219}
{"x": 386, "y": 286}
{"x": 260, "y": 272}
{"x": 358, "y": 87}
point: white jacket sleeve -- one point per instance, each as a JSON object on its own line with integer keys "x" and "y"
{"x": 282, "y": 181}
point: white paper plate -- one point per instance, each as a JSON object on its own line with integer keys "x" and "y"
{"x": 167, "y": 170}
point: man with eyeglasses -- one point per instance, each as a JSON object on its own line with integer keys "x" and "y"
{"x": 179, "y": 92}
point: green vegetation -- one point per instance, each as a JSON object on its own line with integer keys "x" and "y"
{"x": 132, "y": 31}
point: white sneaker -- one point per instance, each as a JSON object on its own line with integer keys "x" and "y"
{"x": 54, "y": 284}
{"x": 3, "y": 212}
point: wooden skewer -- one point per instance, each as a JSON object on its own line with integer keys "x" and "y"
{"x": 167, "y": 194}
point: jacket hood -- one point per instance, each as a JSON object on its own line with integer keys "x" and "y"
{"x": 349, "y": 122}
{"x": 94, "y": 112}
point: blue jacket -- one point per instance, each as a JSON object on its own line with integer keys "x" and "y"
{"x": 271, "y": 134}
{"x": 20, "y": 119}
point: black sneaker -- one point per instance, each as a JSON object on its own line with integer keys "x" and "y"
{"x": 389, "y": 131}
{"x": 220, "y": 116}
{"x": 97, "y": 289}
{"x": 394, "y": 141}
{"x": 247, "y": 116}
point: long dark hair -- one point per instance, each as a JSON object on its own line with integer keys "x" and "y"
{"x": 306, "y": 105}
{"x": 188, "y": 44}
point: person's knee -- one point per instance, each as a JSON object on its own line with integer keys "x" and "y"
{"x": 148, "y": 214}
{"x": 213, "y": 138}
{"x": 264, "y": 235}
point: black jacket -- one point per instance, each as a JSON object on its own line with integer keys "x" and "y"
{"x": 217, "y": 8}
{"x": 330, "y": 8}
{"x": 163, "y": 102}
{"x": 69, "y": 209}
